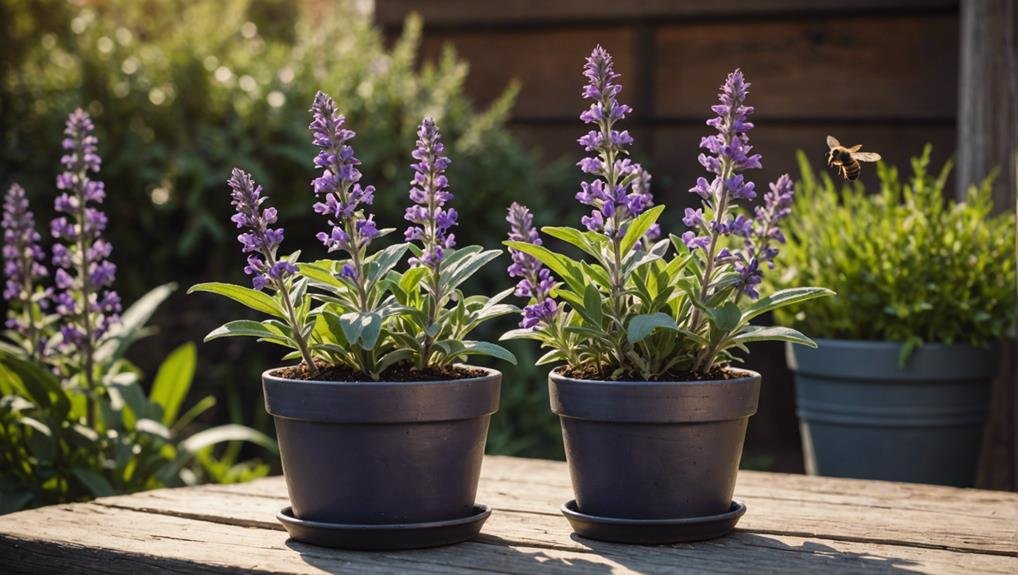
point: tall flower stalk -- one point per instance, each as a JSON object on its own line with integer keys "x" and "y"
{"x": 617, "y": 194}
{"x": 430, "y": 219}
{"x": 23, "y": 269}
{"x": 85, "y": 300}
{"x": 728, "y": 154}
{"x": 262, "y": 242}
{"x": 341, "y": 195}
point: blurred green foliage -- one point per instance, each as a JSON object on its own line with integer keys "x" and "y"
{"x": 63, "y": 442}
{"x": 183, "y": 90}
{"x": 907, "y": 263}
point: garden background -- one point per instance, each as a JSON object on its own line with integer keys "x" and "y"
{"x": 181, "y": 91}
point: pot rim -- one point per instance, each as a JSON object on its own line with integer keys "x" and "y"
{"x": 896, "y": 344}
{"x": 673, "y": 402}
{"x": 879, "y": 361}
{"x": 369, "y": 402}
{"x": 489, "y": 372}
{"x": 745, "y": 374}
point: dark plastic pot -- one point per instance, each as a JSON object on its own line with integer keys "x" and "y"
{"x": 861, "y": 415}
{"x": 382, "y": 452}
{"x": 654, "y": 450}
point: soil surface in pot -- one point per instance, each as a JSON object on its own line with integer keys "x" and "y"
{"x": 398, "y": 372}
{"x": 592, "y": 372}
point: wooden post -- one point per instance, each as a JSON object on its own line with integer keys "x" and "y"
{"x": 988, "y": 139}
{"x": 987, "y": 129}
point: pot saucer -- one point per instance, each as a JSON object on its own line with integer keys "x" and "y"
{"x": 384, "y": 537}
{"x": 652, "y": 531}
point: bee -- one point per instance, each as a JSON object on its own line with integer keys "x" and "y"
{"x": 846, "y": 160}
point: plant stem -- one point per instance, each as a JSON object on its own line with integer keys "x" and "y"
{"x": 88, "y": 345}
{"x": 295, "y": 327}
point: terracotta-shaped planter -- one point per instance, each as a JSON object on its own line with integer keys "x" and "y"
{"x": 382, "y": 453}
{"x": 654, "y": 451}
{"x": 864, "y": 415}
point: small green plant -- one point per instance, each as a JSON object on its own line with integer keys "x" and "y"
{"x": 75, "y": 422}
{"x": 631, "y": 311}
{"x": 908, "y": 264}
{"x": 363, "y": 315}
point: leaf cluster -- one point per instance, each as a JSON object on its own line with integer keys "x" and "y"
{"x": 417, "y": 316}
{"x": 908, "y": 263}
{"x": 631, "y": 311}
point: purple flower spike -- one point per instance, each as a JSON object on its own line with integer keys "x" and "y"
{"x": 339, "y": 193}
{"x": 21, "y": 252}
{"x": 258, "y": 239}
{"x": 621, "y": 191}
{"x": 726, "y": 153}
{"x": 536, "y": 281}
{"x": 762, "y": 231}
{"x": 86, "y": 302}
{"x": 23, "y": 266}
{"x": 429, "y": 190}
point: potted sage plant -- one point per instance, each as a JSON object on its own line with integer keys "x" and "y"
{"x": 381, "y": 429}
{"x": 900, "y": 387}
{"x": 653, "y": 414}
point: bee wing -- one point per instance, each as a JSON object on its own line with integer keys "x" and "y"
{"x": 866, "y": 156}
{"x": 832, "y": 142}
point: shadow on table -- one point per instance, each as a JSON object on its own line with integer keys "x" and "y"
{"x": 748, "y": 553}
{"x": 486, "y": 554}
{"x": 739, "y": 552}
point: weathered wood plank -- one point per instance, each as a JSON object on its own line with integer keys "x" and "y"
{"x": 97, "y": 538}
{"x": 547, "y": 63}
{"x": 447, "y": 13}
{"x": 836, "y": 67}
{"x": 822, "y": 508}
{"x": 822, "y": 68}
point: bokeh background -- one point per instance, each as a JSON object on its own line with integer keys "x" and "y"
{"x": 182, "y": 90}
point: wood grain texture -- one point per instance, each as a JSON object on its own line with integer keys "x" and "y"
{"x": 836, "y": 67}
{"x": 794, "y": 524}
{"x": 535, "y": 12}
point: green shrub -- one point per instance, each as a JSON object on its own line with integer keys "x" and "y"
{"x": 907, "y": 264}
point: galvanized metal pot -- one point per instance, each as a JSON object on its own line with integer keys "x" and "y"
{"x": 862, "y": 415}
{"x": 379, "y": 452}
{"x": 654, "y": 450}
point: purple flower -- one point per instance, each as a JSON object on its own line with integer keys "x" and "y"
{"x": 85, "y": 275}
{"x": 728, "y": 151}
{"x": 21, "y": 252}
{"x": 536, "y": 281}
{"x": 258, "y": 239}
{"x": 23, "y": 267}
{"x": 622, "y": 190}
{"x": 429, "y": 190}
{"x": 340, "y": 195}
{"x": 761, "y": 232}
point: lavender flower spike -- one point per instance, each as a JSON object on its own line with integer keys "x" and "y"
{"x": 727, "y": 152}
{"x": 615, "y": 195}
{"x": 758, "y": 248}
{"x": 535, "y": 280}
{"x": 259, "y": 240}
{"x": 23, "y": 266}
{"x": 340, "y": 194}
{"x": 429, "y": 190}
{"x": 84, "y": 275}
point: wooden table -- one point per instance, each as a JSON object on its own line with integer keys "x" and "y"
{"x": 794, "y": 524}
